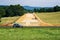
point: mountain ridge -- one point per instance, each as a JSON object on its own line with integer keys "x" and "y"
{"x": 32, "y": 8}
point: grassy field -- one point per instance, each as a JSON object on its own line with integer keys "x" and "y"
{"x": 29, "y": 33}
{"x": 8, "y": 19}
{"x": 53, "y": 17}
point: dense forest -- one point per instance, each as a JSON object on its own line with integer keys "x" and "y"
{"x": 12, "y": 10}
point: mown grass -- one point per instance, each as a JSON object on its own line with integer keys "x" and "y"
{"x": 52, "y": 17}
{"x": 8, "y": 19}
{"x": 29, "y": 33}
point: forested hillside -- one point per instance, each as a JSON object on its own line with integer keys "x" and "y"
{"x": 12, "y": 10}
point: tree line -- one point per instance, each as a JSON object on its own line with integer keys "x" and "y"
{"x": 18, "y": 10}
{"x": 51, "y": 9}
{"x": 12, "y": 10}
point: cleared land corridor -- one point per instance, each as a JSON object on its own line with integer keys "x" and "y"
{"x": 28, "y": 20}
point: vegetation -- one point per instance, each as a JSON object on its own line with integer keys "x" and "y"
{"x": 50, "y": 9}
{"x": 2, "y": 13}
{"x": 29, "y": 33}
{"x": 52, "y": 17}
{"x": 12, "y": 10}
{"x": 8, "y": 19}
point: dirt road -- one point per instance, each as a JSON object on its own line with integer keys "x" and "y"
{"x": 28, "y": 20}
{"x": 31, "y": 19}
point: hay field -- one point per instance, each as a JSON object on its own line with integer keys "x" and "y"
{"x": 52, "y": 17}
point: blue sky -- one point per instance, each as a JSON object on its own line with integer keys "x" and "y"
{"x": 39, "y": 3}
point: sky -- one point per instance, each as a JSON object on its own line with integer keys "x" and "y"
{"x": 37, "y": 3}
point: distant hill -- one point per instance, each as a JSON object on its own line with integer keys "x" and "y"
{"x": 3, "y": 6}
{"x": 32, "y": 8}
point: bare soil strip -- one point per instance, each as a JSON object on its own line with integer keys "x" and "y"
{"x": 30, "y": 19}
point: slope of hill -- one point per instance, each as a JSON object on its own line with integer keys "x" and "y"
{"x": 52, "y": 18}
{"x": 32, "y": 8}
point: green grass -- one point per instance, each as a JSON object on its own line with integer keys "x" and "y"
{"x": 32, "y": 33}
{"x": 8, "y": 19}
{"x": 29, "y": 33}
{"x": 53, "y": 17}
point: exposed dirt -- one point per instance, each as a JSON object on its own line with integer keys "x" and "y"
{"x": 31, "y": 20}
{"x": 28, "y": 20}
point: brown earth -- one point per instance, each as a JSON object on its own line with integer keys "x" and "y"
{"x": 30, "y": 18}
